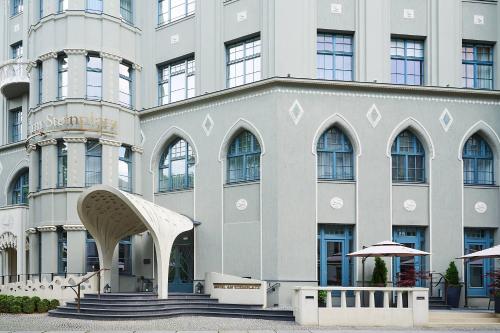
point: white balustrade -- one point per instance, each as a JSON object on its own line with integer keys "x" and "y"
{"x": 14, "y": 78}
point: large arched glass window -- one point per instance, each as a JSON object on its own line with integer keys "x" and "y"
{"x": 408, "y": 159}
{"x": 478, "y": 161}
{"x": 335, "y": 155}
{"x": 20, "y": 189}
{"x": 177, "y": 167}
{"x": 243, "y": 158}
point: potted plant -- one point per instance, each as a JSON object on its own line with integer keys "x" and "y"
{"x": 453, "y": 286}
{"x": 379, "y": 279}
{"x": 322, "y": 294}
{"x": 495, "y": 288}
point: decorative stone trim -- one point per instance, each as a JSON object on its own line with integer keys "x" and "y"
{"x": 137, "y": 149}
{"x": 31, "y": 147}
{"x": 74, "y": 227}
{"x": 8, "y": 241}
{"x": 75, "y": 52}
{"x": 137, "y": 67}
{"x": 110, "y": 56}
{"x": 47, "y": 142}
{"x": 31, "y": 231}
{"x": 47, "y": 228}
{"x": 75, "y": 139}
{"x": 47, "y": 56}
{"x": 109, "y": 142}
{"x": 30, "y": 66}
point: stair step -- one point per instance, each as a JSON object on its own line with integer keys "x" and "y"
{"x": 144, "y": 302}
{"x": 165, "y": 305}
{"x": 435, "y": 315}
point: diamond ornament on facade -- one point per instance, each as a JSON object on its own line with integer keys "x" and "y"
{"x": 373, "y": 115}
{"x": 296, "y": 112}
{"x": 446, "y": 119}
{"x": 208, "y": 125}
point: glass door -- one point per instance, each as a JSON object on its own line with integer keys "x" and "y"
{"x": 407, "y": 268}
{"x": 180, "y": 276}
{"x": 334, "y": 267}
{"x": 478, "y": 270}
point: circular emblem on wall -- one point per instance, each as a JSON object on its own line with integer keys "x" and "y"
{"x": 337, "y": 203}
{"x": 241, "y": 204}
{"x": 481, "y": 207}
{"x": 410, "y": 205}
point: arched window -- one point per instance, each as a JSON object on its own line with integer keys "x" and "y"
{"x": 176, "y": 171}
{"x": 408, "y": 159}
{"x": 20, "y": 189}
{"x": 335, "y": 155}
{"x": 243, "y": 158}
{"x": 478, "y": 161}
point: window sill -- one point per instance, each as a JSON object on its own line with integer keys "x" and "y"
{"x": 411, "y": 184}
{"x": 242, "y": 183}
{"x": 481, "y": 186}
{"x": 13, "y": 16}
{"x": 174, "y": 22}
{"x": 182, "y": 190}
{"x": 337, "y": 181}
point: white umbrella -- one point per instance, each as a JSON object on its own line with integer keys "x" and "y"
{"x": 490, "y": 253}
{"x": 386, "y": 249}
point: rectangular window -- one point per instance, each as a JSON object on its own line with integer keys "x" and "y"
{"x": 62, "y": 77}
{"x": 62, "y": 5}
{"x": 125, "y": 169}
{"x": 40, "y": 8}
{"x": 477, "y": 65}
{"x": 94, "y": 6}
{"x": 92, "y": 256}
{"x": 94, "y": 77}
{"x": 125, "y": 85}
{"x": 62, "y": 253}
{"x": 334, "y": 57}
{"x": 17, "y": 7}
{"x": 40, "y": 82}
{"x": 407, "y": 62}
{"x": 176, "y": 81}
{"x": 125, "y": 256}
{"x": 15, "y": 124}
{"x": 16, "y": 50}
{"x": 39, "y": 187}
{"x": 172, "y": 10}
{"x": 243, "y": 62}
{"x": 126, "y": 11}
{"x": 62, "y": 164}
{"x": 93, "y": 163}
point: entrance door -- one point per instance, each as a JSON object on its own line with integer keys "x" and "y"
{"x": 333, "y": 264}
{"x": 12, "y": 265}
{"x": 478, "y": 270}
{"x": 407, "y": 266}
{"x": 180, "y": 277}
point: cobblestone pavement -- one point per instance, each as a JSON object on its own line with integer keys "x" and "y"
{"x": 42, "y": 323}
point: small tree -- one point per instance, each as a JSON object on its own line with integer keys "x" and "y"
{"x": 379, "y": 276}
{"x": 451, "y": 275}
{"x": 494, "y": 282}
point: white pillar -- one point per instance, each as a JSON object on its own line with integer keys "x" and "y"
{"x": 34, "y": 241}
{"x": 137, "y": 169}
{"x": 110, "y": 154}
{"x": 49, "y": 163}
{"x": 49, "y": 250}
{"x": 77, "y": 65}
{"x": 76, "y": 238}
{"x": 76, "y": 161}
{"x": 110, "y": 77}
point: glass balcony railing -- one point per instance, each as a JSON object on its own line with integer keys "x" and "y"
{"x": 14, "y": 78}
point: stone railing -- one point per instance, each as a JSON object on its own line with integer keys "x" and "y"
{"x": 362, "y": 306}
{"x": 14, "y": 78}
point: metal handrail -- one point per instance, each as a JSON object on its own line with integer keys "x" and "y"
{"x": 77, "y": 292}
{"x": 273, "y": 287}
{"x": 432, "y": 285}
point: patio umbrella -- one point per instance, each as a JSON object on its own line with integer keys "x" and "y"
{"x": 386, "y": 249}
{"x": 490, "y": 253}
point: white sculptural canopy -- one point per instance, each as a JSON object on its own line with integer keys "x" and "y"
{"x": 111, "y": 215}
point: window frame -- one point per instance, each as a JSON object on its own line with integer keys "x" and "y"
{"x": 62, "y": 90}
{"x": 475, "y": 62}
{"x": 347, "y": 148}
{"x": 187, "y": 13}
{"x": 16, "y": 50}
{"x": 486, "y": 154}
{"x": 130, "y": 81}
{"x": 62, "y": 251}
{"x": 189, "y": 163}
{"x": 406, "y": 58}
{"x": 40, "y": 82}
{"x": 130, "y": 13}
{"x": 17, "y": 7}
{"x": 40, "y": 167}
{"x": 255, "y": 151}
{"x": 334, "y": 53}
{"x": 15, "y": 125}
{"x": 189, "y": 71}
{"x": 62, "y": 164}
{"x": 20, "y": 189}
{"x": 415, "y": 142}
{"x": 89, "y": 155}
{"x": 129, "y": 162}
{"x": 89, "y": 70}
{"x": 125, "y": 243}
{"x": 91, "y": 3}
{"x": 243, "y": 60}
{"x": 90, "y": 241}
{"x": 62, "y": 6}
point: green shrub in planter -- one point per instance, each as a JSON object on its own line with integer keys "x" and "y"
{"x": 54, "y": 303}
{"x": 43, "y": 306}
{"x": 379, "y": 275}
{"x": 453, "y": 289}
{"x": 29, "y": 305}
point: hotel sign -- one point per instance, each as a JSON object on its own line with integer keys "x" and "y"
{"x": 237, "y": 285}
{"x": 75, "y": 123}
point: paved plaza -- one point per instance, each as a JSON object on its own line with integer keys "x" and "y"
{"x": 42, "y": 323}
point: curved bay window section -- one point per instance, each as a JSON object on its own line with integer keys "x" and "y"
{"x": 243, "y": 159}
{"x": 125, "y": 169}
{"x": 94, "y": 77}
{"x": 176, "y": 169}
{"x": 335, "y": 156}
{"x": 62, "y": 164}
{"x": 20, "y": 189}
{"x": 93, "y": 163}
{"x": 477, "y": 158}
{"x": 408, "y": 159}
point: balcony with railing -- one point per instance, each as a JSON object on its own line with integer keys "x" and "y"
{"x": 14, "y": 78}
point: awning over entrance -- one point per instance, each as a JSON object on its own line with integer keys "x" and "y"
{"x": 111, "y": 215}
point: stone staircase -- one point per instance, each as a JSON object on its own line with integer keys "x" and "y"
{"x": 137, "y": 306}
{"x": 438, "y": 303}
{"x": 463, "y": 318}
